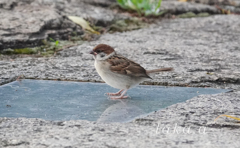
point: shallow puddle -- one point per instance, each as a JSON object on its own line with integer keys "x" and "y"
{"x": 61, "y": 100}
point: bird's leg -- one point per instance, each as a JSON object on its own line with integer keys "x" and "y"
{"x": 116, "y": 94}
{"x": 122, "y": 95}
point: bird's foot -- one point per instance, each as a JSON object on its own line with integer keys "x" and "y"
{"x": 119, "y": 97}
{"x": 115, "y": 94}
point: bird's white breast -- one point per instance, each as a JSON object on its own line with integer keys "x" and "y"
{"x": 113, "y": 79}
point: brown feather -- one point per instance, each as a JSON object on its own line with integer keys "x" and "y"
{"x": 122, "y": 65}
{"x": 103, "y": 48}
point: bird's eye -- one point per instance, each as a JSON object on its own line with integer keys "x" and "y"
{"x": 97, "y": 51}
{"x": 102, "y": 55}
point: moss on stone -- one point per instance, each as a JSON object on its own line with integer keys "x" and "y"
{"x": 187, "y": 15}
{"x": 191, "y": 14}
{"x": 127, "y": 25}
{"x": 48, "y": 49}
{"x": 7, "y": 51}
{"x": 205, "y": 14}
{"x": 25, "y": 51}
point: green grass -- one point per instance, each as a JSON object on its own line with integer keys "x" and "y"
{"x": 143, "y": 7}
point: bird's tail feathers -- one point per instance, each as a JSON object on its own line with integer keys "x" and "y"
{"x": 159, "y": 70}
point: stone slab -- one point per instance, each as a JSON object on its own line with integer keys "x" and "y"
{"x": 62, "y": 101}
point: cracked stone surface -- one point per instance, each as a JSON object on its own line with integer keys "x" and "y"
{"x": 218, "y": 2}
{"x": 29, "y": 25}
{"x": 203, "y": 52}
{"x": 26, "y": 23}
{"x": 175, "y": 7}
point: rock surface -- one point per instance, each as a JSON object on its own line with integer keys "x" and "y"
{"x": 185, "y": 125}
{"x": 26, "y": 23}
{"x": 175, "y": 7}
{"x": 218, "y": 2}
{"x": 203, "y": 52}
{"x": 29, "y": 25}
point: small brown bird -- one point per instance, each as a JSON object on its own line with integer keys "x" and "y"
{"x": 118, "y": 71}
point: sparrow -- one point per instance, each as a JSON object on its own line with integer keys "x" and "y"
{"x": 118, "y": 71}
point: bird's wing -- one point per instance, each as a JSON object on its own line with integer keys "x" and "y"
{"x": 122, "y": 65}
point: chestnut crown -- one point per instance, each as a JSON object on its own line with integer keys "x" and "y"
{"x": 103, "y": 48}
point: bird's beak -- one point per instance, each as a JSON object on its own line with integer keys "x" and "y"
{"x": 93, "y": 53}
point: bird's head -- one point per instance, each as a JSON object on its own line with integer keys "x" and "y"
{"x": 102, "y": 52}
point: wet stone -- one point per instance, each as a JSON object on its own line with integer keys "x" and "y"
{"x": 61, "y": 101}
